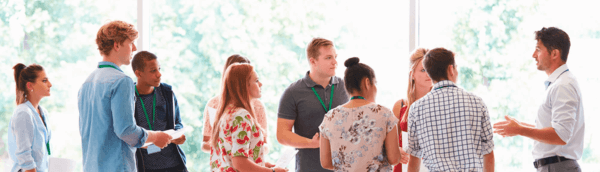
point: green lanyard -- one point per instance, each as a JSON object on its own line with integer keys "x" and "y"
{"x": 103, "y": 66}
{"x": 357, "y": 97}
{"x": 144, "y": 108}
{"x": 48, "y": 147}
{"x": 47, "y": 143}
{"x": 330, "y": 98}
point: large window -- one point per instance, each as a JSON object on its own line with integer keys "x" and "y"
{"x": 60, "y": 36}
{"x": 493, "y": 41}
{"x": 194, "y": 38}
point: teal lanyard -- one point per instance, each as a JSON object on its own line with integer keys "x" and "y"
{"x": 103, "y": 66}
{"x": 330, "y": 98}
{"x": 444, "y": 87}
{"x": 358, "y": 97}
{"x": 144, "y": 108}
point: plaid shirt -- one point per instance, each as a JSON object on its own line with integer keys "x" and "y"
{"x": 450, "y": 129}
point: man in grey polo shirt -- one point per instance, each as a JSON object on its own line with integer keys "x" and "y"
{"x": 305, "y": 102}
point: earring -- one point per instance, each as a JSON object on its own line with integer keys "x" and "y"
{"x": 31, "y": 90}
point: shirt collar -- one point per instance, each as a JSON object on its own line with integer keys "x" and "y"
{"x": 310, "y": 83}
{"x": 28, "y": 103}
{"x": 557, "y": 73}
{"x": 444, "y": 83}
{"x": 109, "y": 63}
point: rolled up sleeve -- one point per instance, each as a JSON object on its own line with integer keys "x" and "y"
{"x": 413, "y": 141}
{"x": 487, "y": 135}
{"x": 23, "y": 129}
{"x": 122, "y": 108}
{"x": 565, "y": 101}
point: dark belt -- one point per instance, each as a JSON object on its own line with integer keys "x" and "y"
{"x": 549, "y": 160}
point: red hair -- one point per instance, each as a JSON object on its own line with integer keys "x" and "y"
{"x": 114, "y": 32}
{"x": 234, "y": 92}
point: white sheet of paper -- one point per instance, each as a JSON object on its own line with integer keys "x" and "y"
{"x": 153, "y": 149}
{"x": 174, "y": 134}
{"x": 61, "y": 165}
{"x": 212, "y": 114}
{"x": 286, "y": 156}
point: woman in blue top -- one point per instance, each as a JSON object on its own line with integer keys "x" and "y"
{"x": 28, "y": 134}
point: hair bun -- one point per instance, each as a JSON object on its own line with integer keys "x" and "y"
{"x": 351, "y": 61}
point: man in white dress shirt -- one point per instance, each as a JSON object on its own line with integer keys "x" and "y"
{"x": 559, "y": 127}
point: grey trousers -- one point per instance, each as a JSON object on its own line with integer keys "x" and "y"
{"x": 564, "y": 166}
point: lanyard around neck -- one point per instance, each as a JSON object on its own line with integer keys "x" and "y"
{"x": 444, "y": 87}
{"x": 144, "y": 108}
{"x": 47, "y": 143}
{"x": 45, "y": 125}
{"x": 330, "y": 98}
{"x": 104, "y": 66}
{"x": 357, "y": 97}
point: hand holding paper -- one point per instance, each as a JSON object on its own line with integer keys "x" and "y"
{"x": 161, "y": 139}
{"x": 179, "y": 141}
{"x": 174, "y": 135}
{"x": 286, "y": 157}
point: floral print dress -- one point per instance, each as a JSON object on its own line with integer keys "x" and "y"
{"x": 238, "y": 136}
{"x": 357, "y": 136}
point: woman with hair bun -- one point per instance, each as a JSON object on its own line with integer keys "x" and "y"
{"x": 28, "y": 132}
{"x": 355, "y": 135}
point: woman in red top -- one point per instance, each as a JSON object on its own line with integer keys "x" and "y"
{"x": 419, "y": 84}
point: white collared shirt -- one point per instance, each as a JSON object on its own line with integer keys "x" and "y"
{"x": 562, "y": 110}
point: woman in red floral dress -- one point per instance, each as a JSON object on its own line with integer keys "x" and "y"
{"x": 237, "y": 141}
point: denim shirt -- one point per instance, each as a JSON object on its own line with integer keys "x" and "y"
{"x": 27, "y": 138}
{"x": 109, "y": 134}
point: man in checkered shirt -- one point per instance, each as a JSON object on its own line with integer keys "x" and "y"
{"x": 449, "y": 128}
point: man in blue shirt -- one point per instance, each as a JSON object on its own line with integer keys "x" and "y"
{"x": 156, "y": 109}
{"x": 109, "y": 134}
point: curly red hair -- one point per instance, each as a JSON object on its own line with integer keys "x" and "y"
{"x": 114, "y": 32}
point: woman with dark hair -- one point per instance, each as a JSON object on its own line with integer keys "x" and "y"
{"x": 28, "y": 133}
{"x": 360, "y": 135}
{"x": 237, "y": 142}
{"x": 212, "y": 104}
{"x": 419, "y": 84}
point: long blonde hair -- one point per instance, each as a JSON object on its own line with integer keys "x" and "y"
{"x": 234, "y": 92}
{"x": 415, "y": 58}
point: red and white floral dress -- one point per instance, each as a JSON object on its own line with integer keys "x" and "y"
{"x": 238, "y": 136}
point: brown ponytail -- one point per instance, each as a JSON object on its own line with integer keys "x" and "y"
{"x": 23, "y": 75}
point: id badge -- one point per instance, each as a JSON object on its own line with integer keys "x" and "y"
{"x": 153, "y": 149}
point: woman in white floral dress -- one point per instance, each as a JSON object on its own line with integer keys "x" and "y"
{"x": 360, "y": 135}
{"x": 238, "y": 139}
